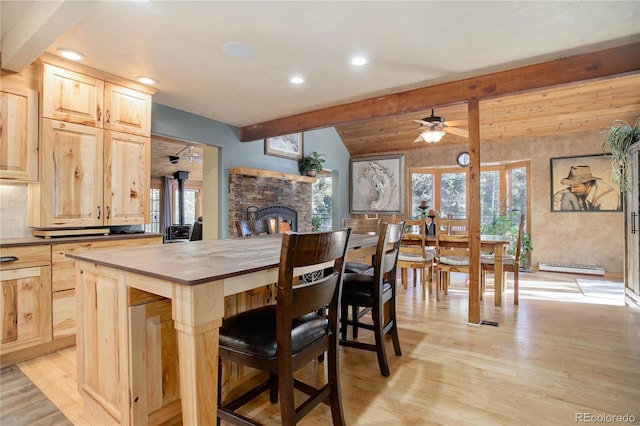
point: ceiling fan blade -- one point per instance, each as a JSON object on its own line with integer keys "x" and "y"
{"x": 418, "y": 139}
{"x": 456, "y": 123}
{"x": 423, "y": 123}
{"x": 456, "y": 131}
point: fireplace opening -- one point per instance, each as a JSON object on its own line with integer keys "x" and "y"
{"x": 281, "y": 218}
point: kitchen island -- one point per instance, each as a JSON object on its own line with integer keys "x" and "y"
{"x": 120, "y": 298}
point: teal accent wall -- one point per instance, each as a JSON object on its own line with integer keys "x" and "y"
{"x": 174, "y": 123}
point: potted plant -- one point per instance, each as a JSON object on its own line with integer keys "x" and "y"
{"x": 619, "y": 139}
{"x": 311, "y": 164}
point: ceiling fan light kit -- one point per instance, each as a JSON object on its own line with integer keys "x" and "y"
{"x": 435, "y": 129}
{"x": 432, "y": 136}
{"x": 189, "y": 156}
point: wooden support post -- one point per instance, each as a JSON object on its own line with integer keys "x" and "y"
{"x": 473, "y": 211}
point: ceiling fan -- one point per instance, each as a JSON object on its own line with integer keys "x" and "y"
{"x": 189, "y": 155}
{"x": 433, "y": 128}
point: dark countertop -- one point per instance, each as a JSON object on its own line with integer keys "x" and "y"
{"x": 32, "y": 241}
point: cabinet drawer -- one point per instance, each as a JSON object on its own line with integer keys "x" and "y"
{"x": 25, "y": 256}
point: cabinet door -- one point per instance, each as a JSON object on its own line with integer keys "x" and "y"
{"x": 127, "y": 175}
{"x": 72, "y": 176}
{"x": 25, "y": 305}
{"x": 70, "y": 96}
{"x": 18, "y": 133}
{"x": 127, "y": 110}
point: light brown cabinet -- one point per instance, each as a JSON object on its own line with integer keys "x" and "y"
{"x": 18, "y": 133}
{"x": 25, "y": 302}
{"x": 79, "y": 98}
{"x": 70, "y": 192}
{"x": 38, "y": 300}
{"x": 96, "y": 153}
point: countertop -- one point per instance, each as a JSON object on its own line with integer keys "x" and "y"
{"x": 32, "y": 241}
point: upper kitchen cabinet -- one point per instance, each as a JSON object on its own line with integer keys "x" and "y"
{"x": 70, "y": 192}
{"x": 95, "y": 149}
{"x": 127, "y": 110}
{"x": 76, "y": 97}
{"x": 71, "y": 97}
{"x": 127, "y": 171}
{"x": 18, "y": 133}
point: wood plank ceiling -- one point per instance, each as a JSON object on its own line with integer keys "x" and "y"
{"x": 575, "y": 107}
{"x": 162, "y": 148}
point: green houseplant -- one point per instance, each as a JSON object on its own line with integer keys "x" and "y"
{"x": 316, "y": 223}
{"x": 311, "y": 164}
{"x": 619, "y": 139}
{"x": 508, "y": 224}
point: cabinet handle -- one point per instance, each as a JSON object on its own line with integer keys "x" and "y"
{"x": 98, "y": 212}
{"x": 634, "y": 228}
{"x": 108, "y": 212}
{"x": 108, "y": 116}
{"x": 99, "y": 112}
{"x": 8, "y": 259}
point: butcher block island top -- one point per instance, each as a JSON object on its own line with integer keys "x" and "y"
{"x": 197, "y": 262}
{"x": 137, "y": 306}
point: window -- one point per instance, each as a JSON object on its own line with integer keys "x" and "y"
{"x": 321, "y": 199}
{"x": 190, "y": 200}
{"x": 453, "y": 194}
{"x": 490, "y": 201}
{"x": 421, "y": 189}
{"x": 502, "y": 188}
{"x": 154, "y": 211}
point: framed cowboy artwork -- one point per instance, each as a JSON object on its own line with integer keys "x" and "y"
{"x": 583, "y": 184}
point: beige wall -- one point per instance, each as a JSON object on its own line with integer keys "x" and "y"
{"x": 583, "y": 238}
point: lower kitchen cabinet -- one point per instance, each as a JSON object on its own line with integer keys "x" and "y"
{"x": 38, "y": 305}
{"x": 25, "y": 275}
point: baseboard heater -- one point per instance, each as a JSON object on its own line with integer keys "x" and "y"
{"x": 574, "y": 268}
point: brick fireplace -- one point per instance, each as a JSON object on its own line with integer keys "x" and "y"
{"x": 260, "y": 188}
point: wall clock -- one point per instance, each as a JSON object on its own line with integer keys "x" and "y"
{"x": 463, "y": 159}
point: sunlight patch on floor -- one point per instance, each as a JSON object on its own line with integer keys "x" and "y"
{"x": 553, "y": 287}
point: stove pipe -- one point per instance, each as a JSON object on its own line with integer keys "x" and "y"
{"x": 181, "y": 177}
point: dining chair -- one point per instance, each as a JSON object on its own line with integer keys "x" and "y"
{"x": 452, "y": 251}
{"x": 369, "y": 226}
{"x": 375, "y": 295}
{"x": 247, "y": 228}
{"x": 300, "y": 328}
{"x": 414, "y": 255}
{"x": 510, "y": 263}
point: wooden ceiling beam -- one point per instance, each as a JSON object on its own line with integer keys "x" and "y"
{"x": 587, "y": 66}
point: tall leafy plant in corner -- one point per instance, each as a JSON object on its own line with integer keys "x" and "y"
{"x": 619, "y": 139}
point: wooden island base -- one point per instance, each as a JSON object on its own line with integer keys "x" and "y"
{"x": 138, "y": 308}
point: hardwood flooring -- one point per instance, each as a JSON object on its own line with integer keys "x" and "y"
{"x": 23, "y": 404}
{"x": 557, "y": 356}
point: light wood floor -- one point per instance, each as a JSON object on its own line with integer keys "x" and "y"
{"x": 554, "y": 357}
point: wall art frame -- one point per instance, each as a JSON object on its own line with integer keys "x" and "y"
{"x": 376, "y": 184}
{"x": 286, "y": 146}
{"x": 583, "y": 184}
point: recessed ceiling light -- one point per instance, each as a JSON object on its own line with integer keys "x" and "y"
{"x": 70, "y": 54}
{"x": 297, "y": 79}
{"x": 237, "y": 50}
{"x": 358, "y": 61}
{"x": 147, "y": 80}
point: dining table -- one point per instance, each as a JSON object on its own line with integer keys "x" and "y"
{"x": 195, "y": 277}
{"x": 489, "y": 243}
